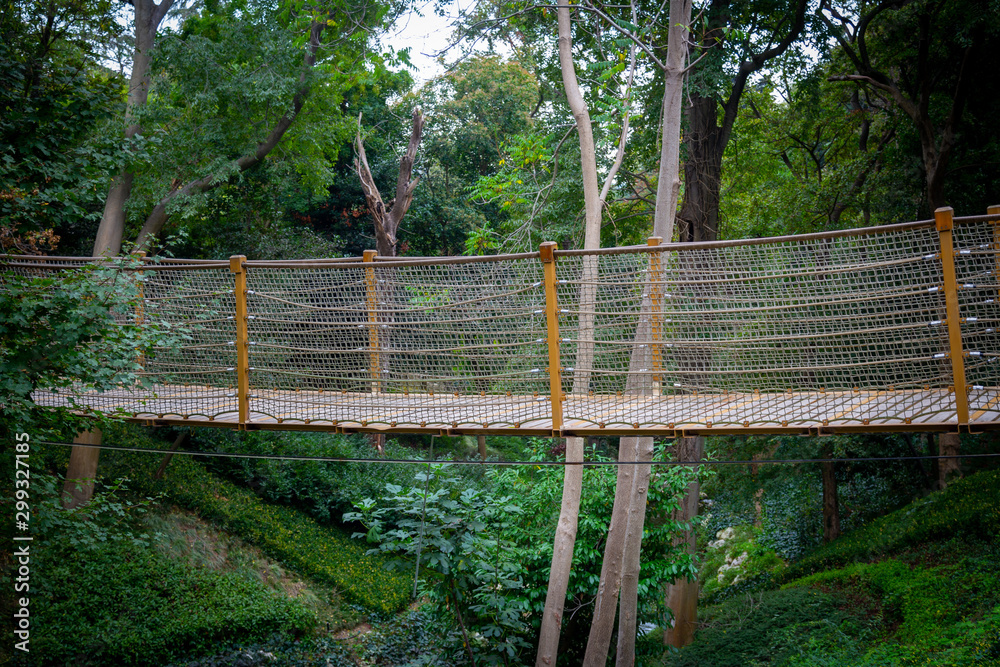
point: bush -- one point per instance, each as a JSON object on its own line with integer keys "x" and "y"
{"x": 940, "y": 615}
{"x": 124, "y": 604}
{"x": 969, "y": 506}
{"x": 322, "y": 489}
{"x": 104, "y": 593}
{"x": 324, "y": 554}
{"x": 765, "y": 628}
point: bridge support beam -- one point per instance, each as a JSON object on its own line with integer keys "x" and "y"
{"x": 943, "y": 219}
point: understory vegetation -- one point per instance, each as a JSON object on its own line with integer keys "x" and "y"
{"x": 918, "y": 586}
{"x": 215, "y": 565}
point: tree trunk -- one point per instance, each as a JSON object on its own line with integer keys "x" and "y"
{"x": 79, "y": 485}
{"x": 608, "y": 589}
{"x": 565, "y": 538}
{"x": 108, "y": 241}
{"x": 147, "y": 21}
{"x": 699, "y": 215}
{"x": 682, "y": 596}
{"x": 948, "y": 469}
{"x": 178, "y": 441}
{"x": 831, "y": 504}
{"x": 629, "y": 603}
{"x": 387, "y": 221}
{"x": 669, "y": 181}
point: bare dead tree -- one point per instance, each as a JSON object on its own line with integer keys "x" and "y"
{"x": 387, "y": 218}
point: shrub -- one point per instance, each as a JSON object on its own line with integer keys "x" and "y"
{"x": 764, "y": 628}
{"x": 103, "y": 593}
{"x": 325, "y": 554}
{"x": 124, "y": 604}
{"x": 969, "y": 506}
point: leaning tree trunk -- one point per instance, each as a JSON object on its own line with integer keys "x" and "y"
{"x": 148, "y": 17}
{"x": 387, "y": 220}
{"x": 622, "y": 556}
{"x": 83, "y": 461}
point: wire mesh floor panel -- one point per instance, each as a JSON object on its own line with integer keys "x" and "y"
{"x": 913, "y": 410}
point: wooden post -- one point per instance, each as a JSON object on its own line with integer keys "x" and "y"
{"x": 552, "y": 333}
{"x": 995, "y": 210}
{"x": 655, "y": 294}
{"x": 140, "y": 307}
{"x": 242, "y": 338}
{"x": 370, "y": 298}
{"x": 943, "y": 218}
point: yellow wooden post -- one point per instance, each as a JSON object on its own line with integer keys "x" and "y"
{"x": 374, "y": 364}
{"x": 995, "y": 210}
{"x": 236, "y": 266}
{"x": 552, "y": 331}
{"x": 943, "y": 218}
{"x": 140, "y": 304}
{"x": 656, "y": 322}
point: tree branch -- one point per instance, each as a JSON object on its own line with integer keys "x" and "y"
{"x": 158, "y": 216}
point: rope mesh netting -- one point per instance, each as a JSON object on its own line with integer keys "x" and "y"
{"x": 822, "y": 317}
{"x": 195, "y": 378}
{"x": 977, "y": 264}
{"x": 459, "y": 343}
{"x": 846, "y": 329}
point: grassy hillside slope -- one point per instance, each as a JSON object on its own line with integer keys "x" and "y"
{"x": 919, "y": 586}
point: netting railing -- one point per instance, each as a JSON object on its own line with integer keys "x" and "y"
{"x": 889, "y": 327}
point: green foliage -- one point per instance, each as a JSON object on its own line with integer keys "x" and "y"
{"x": 101, "y": 588}
{"x": 539, "y": 491}
{"x": 72, "y": 329}
{"x": 54, "y": 102}
{"x": 107, "y": 517}
{"x": 935, "y": 615}
{"x": 918, "y": 586}
{"x": 322, "y": 553}
{"x": 458, "y": 536}
{"x": 156, "y": 609}
{"x": 741, "y": 557}
{"x": 764, "y": 628}
{"x": 969, "y": 506}
{"x": 789, "y": 506}
{"x": 322, "y": 489}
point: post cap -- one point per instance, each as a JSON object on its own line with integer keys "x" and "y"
{"x": 654, "y": 240}
{"x": 369, "y": 255}
{"x": 546, "y": 250}
{"x": 943, "y": 218}
{"x": 236, "y": 263}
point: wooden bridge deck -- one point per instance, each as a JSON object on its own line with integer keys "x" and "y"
{"x": 741, "y": 413}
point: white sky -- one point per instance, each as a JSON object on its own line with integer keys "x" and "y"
{"x": 425, "y": 35}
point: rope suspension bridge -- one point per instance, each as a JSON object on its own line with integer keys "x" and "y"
{"x": 890, "y": 328}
